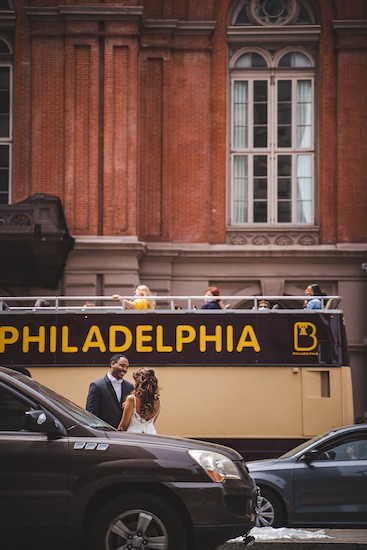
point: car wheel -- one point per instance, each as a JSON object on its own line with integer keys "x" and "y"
{"x": 270, "y": 512}
{"x": 137, "y": 521}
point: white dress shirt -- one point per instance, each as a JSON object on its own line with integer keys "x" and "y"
{"x": 117, "y": 385}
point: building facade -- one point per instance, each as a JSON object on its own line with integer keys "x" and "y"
{"x": 195, "y": 143}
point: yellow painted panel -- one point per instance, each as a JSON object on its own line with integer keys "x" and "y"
{"x": 207, "y": 401}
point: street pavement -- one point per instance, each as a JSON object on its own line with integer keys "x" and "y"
{"x": 337, "y": 539}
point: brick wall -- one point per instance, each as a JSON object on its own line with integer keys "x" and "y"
{"x": 129, "y": 126}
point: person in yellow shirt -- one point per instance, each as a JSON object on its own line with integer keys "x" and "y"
{"x": 142, "y": 300}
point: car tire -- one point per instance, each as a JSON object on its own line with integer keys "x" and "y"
{"x": 270, "y": 512}
{"x": 136, "y": 520}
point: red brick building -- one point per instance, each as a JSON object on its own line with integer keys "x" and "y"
{"x": 194, "y": 143}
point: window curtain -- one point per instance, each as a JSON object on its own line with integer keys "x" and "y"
{"x": 304, "y": 114}
{"x": 304, "y": 189}
{"x": 240, "y": 189}
{"x": 240, "y": 125}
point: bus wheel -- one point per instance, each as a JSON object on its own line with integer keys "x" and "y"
{"x": 270, "y": 513}
{"x": 136, "y": 521}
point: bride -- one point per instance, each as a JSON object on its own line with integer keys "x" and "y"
{"x": 142, "y": 406}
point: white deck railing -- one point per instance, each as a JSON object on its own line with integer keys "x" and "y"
{"x": 104, "y": 304}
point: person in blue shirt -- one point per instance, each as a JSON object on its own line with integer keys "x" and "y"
{"x": 315, "y": 303}
{"x": 211, "y": 299}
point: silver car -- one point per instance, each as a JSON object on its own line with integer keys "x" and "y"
{"x": 322, "y": 482}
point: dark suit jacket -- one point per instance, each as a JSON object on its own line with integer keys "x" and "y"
{"x": 102, "y": 400}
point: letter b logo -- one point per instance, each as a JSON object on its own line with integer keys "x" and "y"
{"x": 305, "y": 338}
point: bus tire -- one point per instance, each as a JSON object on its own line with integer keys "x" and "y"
{"x": 271, "y": 510}
{"x": 137, "y": 518}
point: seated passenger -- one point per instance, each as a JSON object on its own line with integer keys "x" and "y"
{"x": 315, "y": 303}
{"x": 211, "y": 300}
{"x": 41, "y": 303}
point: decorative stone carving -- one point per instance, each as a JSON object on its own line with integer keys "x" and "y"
{"x": 20, "y": 219}
{"x": 260, "y": 240}
{"x": 276, "y": 238}
{"x": 272, "y": 12}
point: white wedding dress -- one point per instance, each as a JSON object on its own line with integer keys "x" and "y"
{"x": 141, "y": 425}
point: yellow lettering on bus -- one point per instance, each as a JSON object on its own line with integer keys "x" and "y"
{"x": 248, "y": 339}
{"x": 39, "y": 338}
{"x": 160, "y": 346}
{"x": 229, "y": 334}
{"x": 114, "y": 330}
{"x": 8, "y": 335}
{"x": 306, "y": 331}
{"x": 141, "y": 338}
{"x": 216, "y": 338}
{"x": 53, "y": 339}
{"x": 94, "y": 339}
{"x": 65, "y": 341}
{"x": 185, "y": 334}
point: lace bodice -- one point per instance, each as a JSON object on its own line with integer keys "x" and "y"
{"x": 141, "y": 425}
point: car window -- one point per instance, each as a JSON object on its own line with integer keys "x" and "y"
{"x": 80, "y": 415}
{"x": 296, "y": 450}
{"x": 12, "y": 411}
{"x": 348, "y": 449}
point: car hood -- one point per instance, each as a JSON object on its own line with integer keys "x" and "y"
{"x": 170, "y": 442}
{"x": 256, "y": 465}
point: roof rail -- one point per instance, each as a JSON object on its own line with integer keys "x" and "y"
{"x": 163, "y": 302}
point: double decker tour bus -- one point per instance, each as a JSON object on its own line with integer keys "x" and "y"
{"x": 258, "y": 381}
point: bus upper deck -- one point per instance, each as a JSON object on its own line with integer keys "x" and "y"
{"x": 66, "y": 333}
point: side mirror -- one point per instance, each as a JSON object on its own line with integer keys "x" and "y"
{"x": 44, "y": 422}
{"x": 315, "y": 454}
{"x": 309, "y": 456}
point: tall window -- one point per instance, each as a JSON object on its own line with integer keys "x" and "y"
{"x": 5, "y": 122}
{"x": 272, "y": 148}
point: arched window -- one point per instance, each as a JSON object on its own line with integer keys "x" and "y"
{"x": 272, "y": 130}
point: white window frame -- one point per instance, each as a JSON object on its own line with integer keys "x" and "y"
{"x": 272, "y": 74}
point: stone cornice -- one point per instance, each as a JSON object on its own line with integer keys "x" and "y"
{"x": 85, "y": 13}
{"x": 205, "y": 251}
{"x": 351, "y": 251}
{"x": 350, "y": 26}
{"x": 266, "y": 35}
{"x": 120, "y": 13}
{"x": 180, "y": 27}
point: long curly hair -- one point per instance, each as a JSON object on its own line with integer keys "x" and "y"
{"x": 146, "y": 387}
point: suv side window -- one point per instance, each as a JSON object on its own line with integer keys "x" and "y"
{"x": 351, "y": 448}
{"x": 12, "y": 411}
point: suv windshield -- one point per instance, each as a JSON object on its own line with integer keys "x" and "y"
{"x": 80, "y": 415}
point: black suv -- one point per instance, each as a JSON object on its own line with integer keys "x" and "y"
{"x": 67, "y": 477}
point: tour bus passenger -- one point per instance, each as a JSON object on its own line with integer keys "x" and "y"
{"x": 41, "y": 303}
{"x": 315, "y": 303}
{"x": 89, "y": 303}
{"x": 107, "y": 395}
{"x": 143, "y": 300}
{"x": 211, "y": 299}
{"x": 142, "y": 406}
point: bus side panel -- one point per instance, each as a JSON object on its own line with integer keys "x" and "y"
{"x": 347, "y": 396}
{"x": 230, "y": 402}
{"x": 326, "y": 399}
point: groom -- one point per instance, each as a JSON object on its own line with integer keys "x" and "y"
{"x": 107, "y": 395}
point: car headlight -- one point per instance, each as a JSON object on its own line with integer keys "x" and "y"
{"x": 217, "y": 466}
